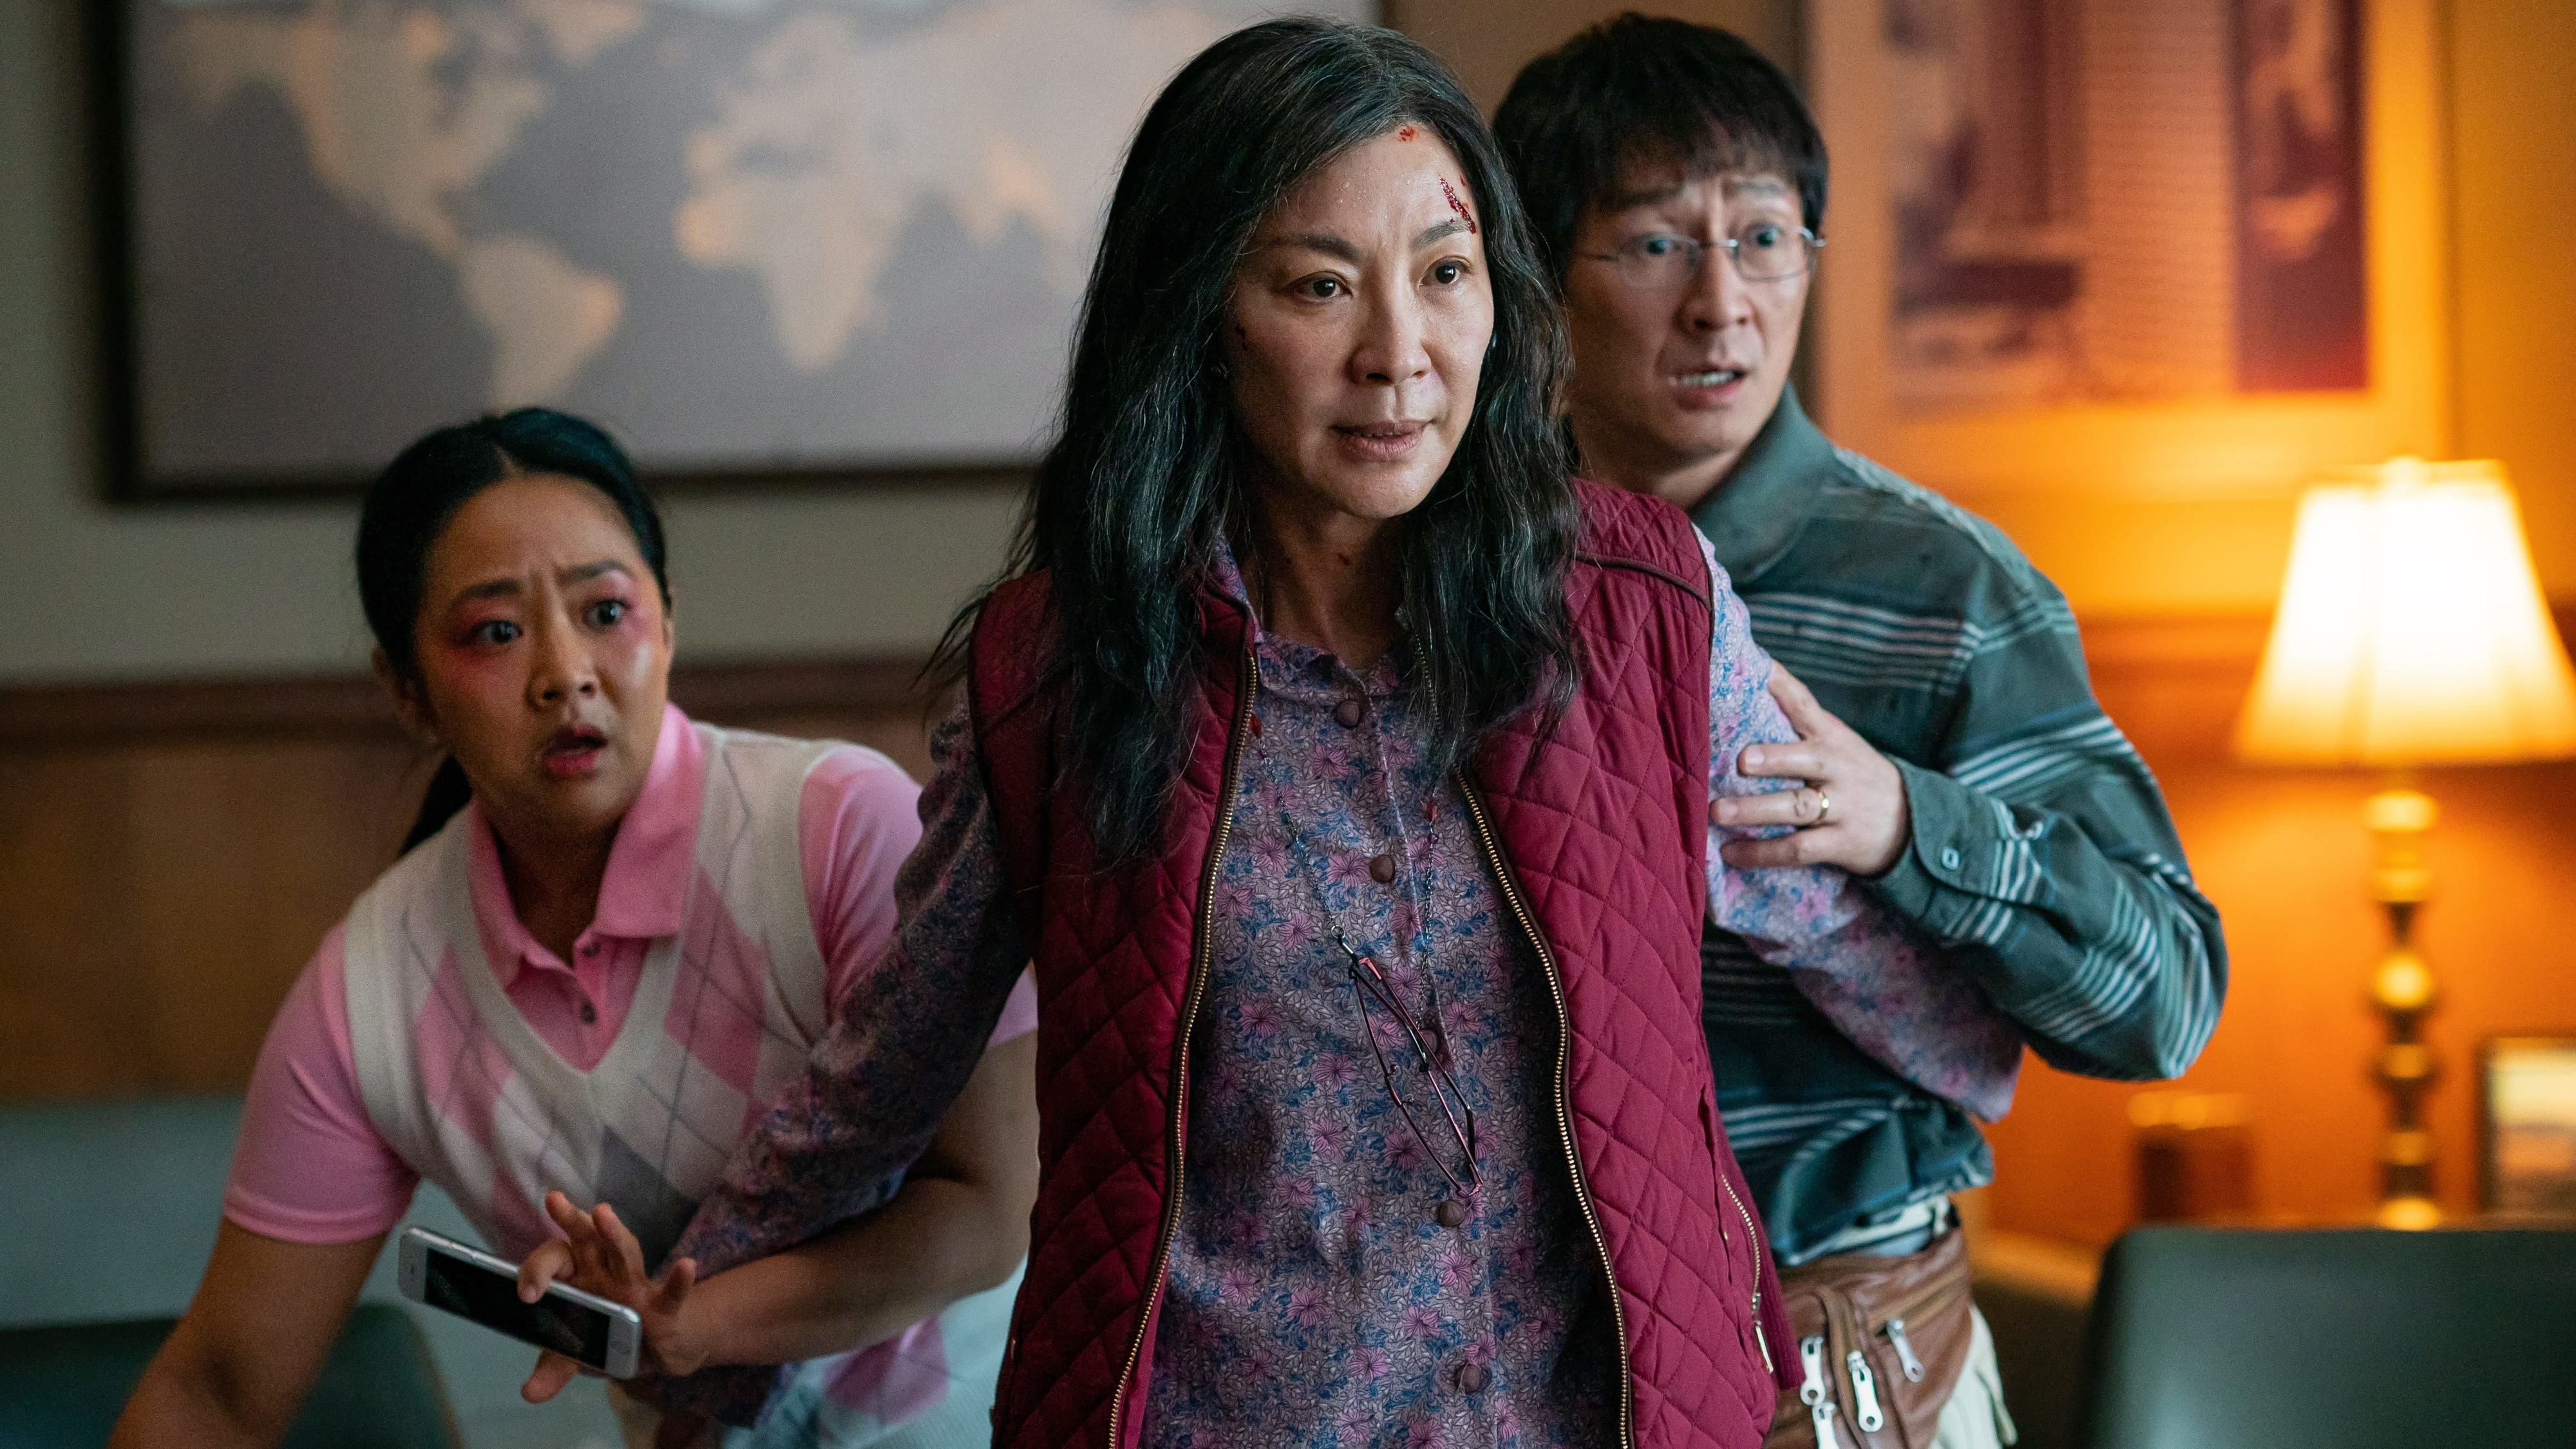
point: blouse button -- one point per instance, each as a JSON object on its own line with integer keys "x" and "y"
{"x": 1350, "y": 712}
{"x": 1450, "y": 1213}
{"x": 1473, "y": 1377}
{"x": 1382, "y": 869}
{"x": 590, "y": 948}
{"x": 589, "y": 1014}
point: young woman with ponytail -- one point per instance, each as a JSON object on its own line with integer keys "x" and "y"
{"x": 611, "y": 938}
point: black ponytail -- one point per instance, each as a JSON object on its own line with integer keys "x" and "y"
{"x": 448, "y": 791}
{"x": 410, "y": 503}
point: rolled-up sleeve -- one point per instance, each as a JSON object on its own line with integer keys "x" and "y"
{"x": 2044, "y": 860}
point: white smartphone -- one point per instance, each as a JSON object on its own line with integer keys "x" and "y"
{"x": 444, "y": 1273}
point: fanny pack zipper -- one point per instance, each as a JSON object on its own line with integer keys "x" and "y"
{"x": 1813, "y": 1391}
{"x": 1895, "y": 1331}
{"x": 1892, "y": 1327}
{"x": 1864, "y": 1387}
{"x": 1843, "y": 1349}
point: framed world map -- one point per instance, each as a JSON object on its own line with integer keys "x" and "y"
{"x": 761, "y": 240}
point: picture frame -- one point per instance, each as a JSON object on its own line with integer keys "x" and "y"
{"x": 2527, "y": 1127}
{"x": 2149, "y": 405}
{"x": 765, "y": 245}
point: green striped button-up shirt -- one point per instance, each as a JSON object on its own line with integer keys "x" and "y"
{"x": 2042, "y": 857}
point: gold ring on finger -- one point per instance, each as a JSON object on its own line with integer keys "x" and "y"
{"x": 1824, "y": 807}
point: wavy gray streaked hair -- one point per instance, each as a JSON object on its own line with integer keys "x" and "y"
{"x": 1144, "y": 480}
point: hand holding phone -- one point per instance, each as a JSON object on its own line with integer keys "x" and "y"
{"x": 598, "y": 1256}
{"x": 580, "y": 1329}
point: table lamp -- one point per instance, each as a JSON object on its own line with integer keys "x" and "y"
{"x": 2411, "y": 632}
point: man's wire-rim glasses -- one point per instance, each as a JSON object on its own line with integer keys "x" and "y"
{"x": 1764, "y": 251}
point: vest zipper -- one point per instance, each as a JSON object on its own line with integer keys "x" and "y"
{"x": 1564, "y": 1107}
{"x": 1752, "y": 1235}
{"x": 1246, "y": 685}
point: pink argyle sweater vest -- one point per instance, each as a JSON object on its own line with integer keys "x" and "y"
{"x": 723, "y": 1017}
{"x": 1602, "y": 826}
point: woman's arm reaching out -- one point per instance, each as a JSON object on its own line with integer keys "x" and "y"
{"x": 959, "y": 1225}
{"x": 237, "y": 1368}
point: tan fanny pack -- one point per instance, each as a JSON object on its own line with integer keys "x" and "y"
{"x": 1881, "y": 1343}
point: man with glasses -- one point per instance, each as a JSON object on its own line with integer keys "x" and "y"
{"x": 1678, "y": 185}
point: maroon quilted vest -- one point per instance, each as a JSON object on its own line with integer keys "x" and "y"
{"x": 1597, "y": 832}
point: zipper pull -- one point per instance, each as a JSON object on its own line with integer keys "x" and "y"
{"x": 1821, "y": 1416}
{"x": 1864, "y": 1385}
{"x": 1811, "y": 1359}
{"x": 1762, "y": 1341}
{"x": 1904, "y": 1351}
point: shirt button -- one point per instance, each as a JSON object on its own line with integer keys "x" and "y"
{"x": 1436, "y": 1041}
{"x": 1949, "y": 857}
{"x": 1473, "y": 1377}
{"x": 1450, "y": 1213}
{"x": 590, "y": 948}
{"x": 1382, "y": 869}
{"x": 589, "y": 1014}
{"x": 1350, "y": 712}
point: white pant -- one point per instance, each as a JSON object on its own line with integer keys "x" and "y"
{"x": 1974, "y": 1418}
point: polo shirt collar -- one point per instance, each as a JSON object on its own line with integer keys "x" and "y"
{"x": 1753, "y": 516}
{"x": 647, "y": 879}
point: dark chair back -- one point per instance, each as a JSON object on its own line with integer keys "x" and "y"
{"x": 61, "y": 1387}
{"x": 2258, "y": 1339}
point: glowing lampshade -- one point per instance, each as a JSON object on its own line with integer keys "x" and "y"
{"x": 2411, "y": 629}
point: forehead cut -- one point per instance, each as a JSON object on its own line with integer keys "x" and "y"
{"x": 1343, "y": 249}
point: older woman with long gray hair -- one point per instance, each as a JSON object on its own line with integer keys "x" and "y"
{"x": 1343, "y": 765}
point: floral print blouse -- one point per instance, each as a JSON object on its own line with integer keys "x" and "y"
{"x": 1327, "y": 1284}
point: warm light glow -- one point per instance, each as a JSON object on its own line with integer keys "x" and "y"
{"x": 2411, "y": 630}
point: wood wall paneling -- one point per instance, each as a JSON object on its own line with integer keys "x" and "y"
{"x": 170, "y": 855}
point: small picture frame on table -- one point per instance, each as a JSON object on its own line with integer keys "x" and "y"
{"x": 2527, "y": 1127}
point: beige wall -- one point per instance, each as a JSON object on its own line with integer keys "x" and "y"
{"x": 89, "y": 590}
{"x": 92, "y": 591}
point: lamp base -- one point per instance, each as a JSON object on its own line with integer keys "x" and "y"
{"x": 2403, "y": 990}
{"x": 2409, "y": 1214}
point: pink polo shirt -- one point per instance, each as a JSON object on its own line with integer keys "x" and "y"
{"x": 310, "y": 1166}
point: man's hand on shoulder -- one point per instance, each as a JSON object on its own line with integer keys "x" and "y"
{"x": 1849, "y": 809}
